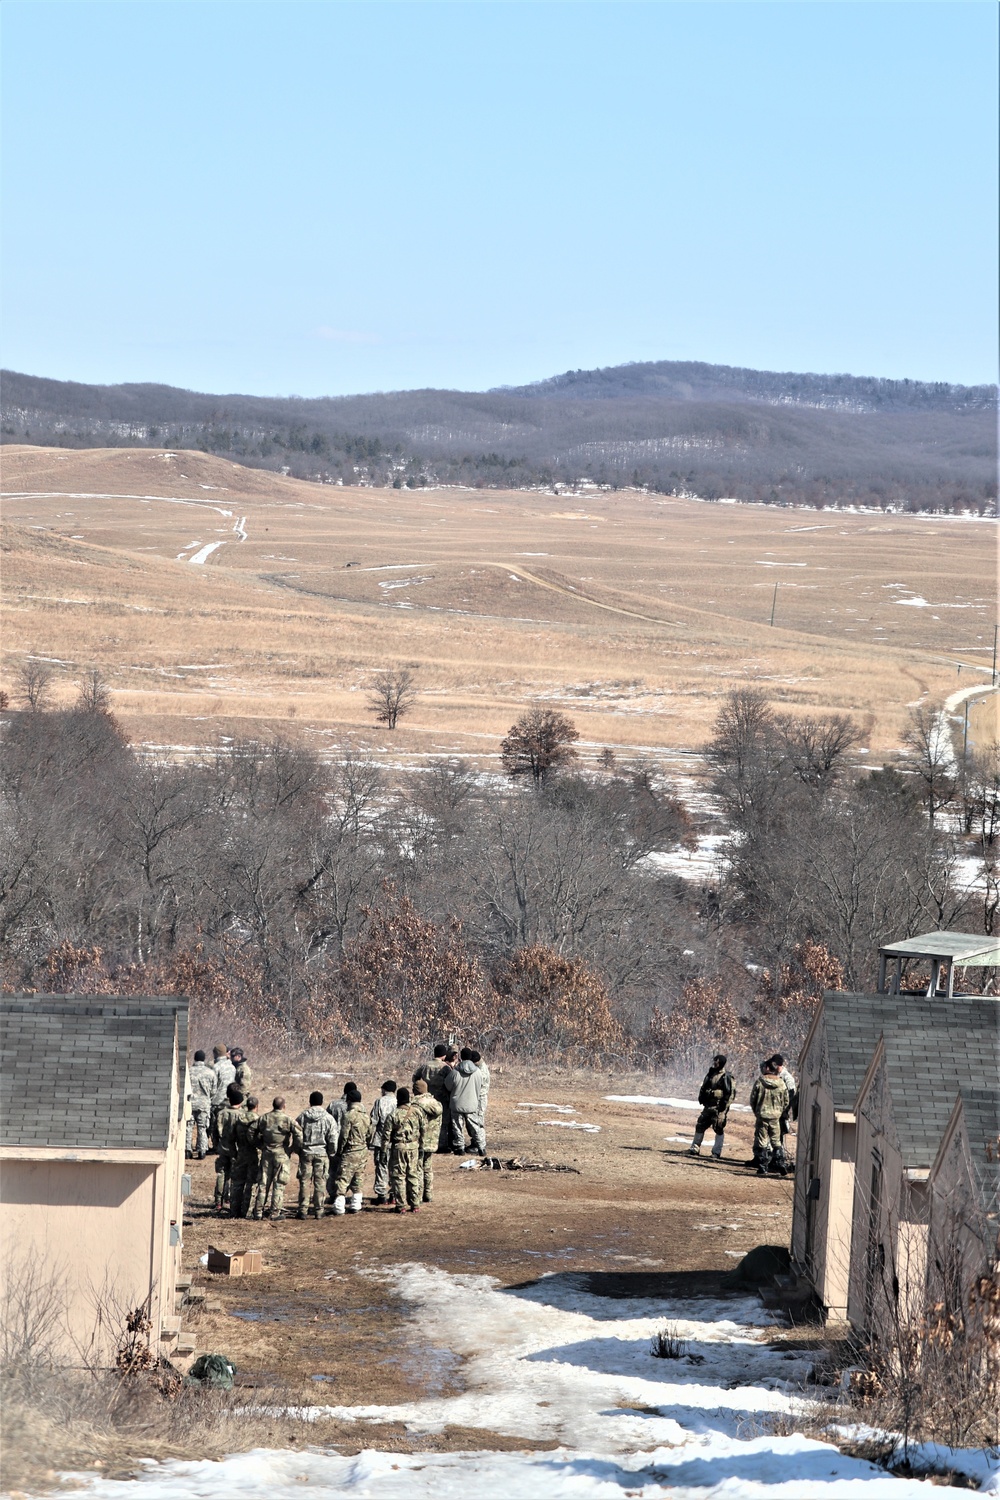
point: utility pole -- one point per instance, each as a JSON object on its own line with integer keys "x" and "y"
{"x": 774, "y": 602}
{"x": 994, "y": 680}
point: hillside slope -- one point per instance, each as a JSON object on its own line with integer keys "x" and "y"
{"x": 675, "y": 428}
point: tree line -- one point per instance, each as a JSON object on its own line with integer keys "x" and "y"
{"x": 318, "y": 900}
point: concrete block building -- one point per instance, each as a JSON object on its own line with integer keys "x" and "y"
{"x": 94, "y": 1095}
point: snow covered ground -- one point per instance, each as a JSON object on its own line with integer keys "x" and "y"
{"x": 552, "y": 1361}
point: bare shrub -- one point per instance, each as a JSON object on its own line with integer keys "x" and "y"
{"x": 95, "y": 695}
{"x": 31, "y": 1315}
{"x": 545, "y": 1002}
{"x": 931, "y": 1372}
{"x": 744, "y": 1024}
{"x": 35, "y": 679}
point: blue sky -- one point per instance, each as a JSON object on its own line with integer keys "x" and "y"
{"x": 315, "y": 198}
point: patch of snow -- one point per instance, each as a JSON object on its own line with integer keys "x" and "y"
{"x": 666, "y": 1103}
{"x": 551, "y": 1361}
{"x": 562, "y": 1109}
{"x": 571, "y": 1125}
{"x": 795, "y": 1468}
{"x": 974, "y": 1463}
{"x": 202, "y": 556}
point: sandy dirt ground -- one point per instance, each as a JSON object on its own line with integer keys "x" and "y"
{"x": 637, "y": 1218}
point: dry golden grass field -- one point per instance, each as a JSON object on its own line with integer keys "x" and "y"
{"x": 634, "y": 613}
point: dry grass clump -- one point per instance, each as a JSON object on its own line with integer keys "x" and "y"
{"x": 667, "y": 1343}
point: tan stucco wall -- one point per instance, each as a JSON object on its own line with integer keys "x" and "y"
{"x": 963, "y": 1242}
{"x": 839, "y": 1224}
{"x": 901, "y": 1229}
{"x": 90, "y": 1225}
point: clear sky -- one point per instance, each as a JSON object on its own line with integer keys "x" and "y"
{"x": 311, "y": 198}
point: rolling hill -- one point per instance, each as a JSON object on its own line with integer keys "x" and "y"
{"x": 669, "y": 427}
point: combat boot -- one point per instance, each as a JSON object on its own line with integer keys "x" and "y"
{"x": 356, "y": 1201}
{"x": 338, "y": 1205}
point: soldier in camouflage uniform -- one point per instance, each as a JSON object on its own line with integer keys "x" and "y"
{"x": 225, "y": 1074}
{"x": 383, "y": 1107}
{"x": 352, "y": 1158}
{"x": 769, "y": 1100}
{"x": 433, "y": 1114}
{"x": 438, "y": 1086}
{"x": 277, "y": 1136}
{"x": 202, "y": 1082}
{"x": 716, "y": 1094}
{"x": 320, "y": 1134}
{"x": 244, "y": 1075}
{"x": 225, "y": 1129}
{"x": 245, "y": 1161}
{"x": 404, "y": 1132}
{"x": 429, "y": 1071}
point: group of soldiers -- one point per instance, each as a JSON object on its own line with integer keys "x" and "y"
{"x": 404, "y": 1130}
{"x": 774, "y": 1101}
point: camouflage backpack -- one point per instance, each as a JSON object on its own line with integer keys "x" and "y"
{"x": 212, "y": 1372}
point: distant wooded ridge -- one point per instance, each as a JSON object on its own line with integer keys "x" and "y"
{"x": 672, "y": 427}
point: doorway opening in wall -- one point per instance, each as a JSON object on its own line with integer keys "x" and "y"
{"x": 875, "y": 1252}
{"x": 813, "y": 1187}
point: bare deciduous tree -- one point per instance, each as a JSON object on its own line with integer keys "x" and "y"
{"x": 35, "y": 680}
{"x": 928, "y": 739}
{"x": 391, "y": 695}
{"x": 816, "y": 747}
{"x": 95, "y": 695}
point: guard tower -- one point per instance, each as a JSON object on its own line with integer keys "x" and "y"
{"x": 944, "y": 951}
